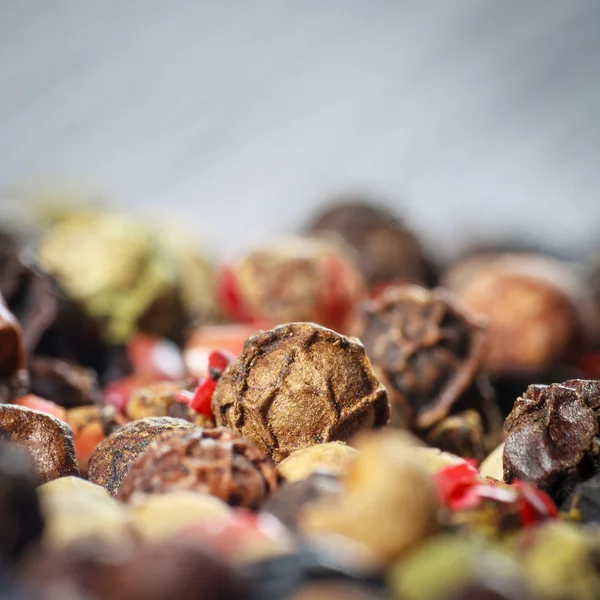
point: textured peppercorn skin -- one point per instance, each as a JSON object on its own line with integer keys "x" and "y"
{"x": 552, "y": 436}
{"x": 428, "y": 352}
{"x": 298, "y": 385}
{"x": 48, "y": 440}
{"x": 217, "y": 461}
{"x": 112, "y": 458}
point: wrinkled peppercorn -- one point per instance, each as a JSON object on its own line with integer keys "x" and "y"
{"x": 48, "y": 440}
{"x": 552, "y": 436}
{"x": 298, "y": 385}
{"x": 386, "y": 249}
{"x": 428, "y": 352}
{"x": 212, "y": 461}
{"x": 113, "y": 457}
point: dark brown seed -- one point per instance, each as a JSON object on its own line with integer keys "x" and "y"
{"x": 298, "y": 385}
{"x": 552, "y": 436}
{"x": 48, "y": 440}
{"x": 112, "y": 458}
{"x": 217, "y": 461}
{"x": 428, "y": 351}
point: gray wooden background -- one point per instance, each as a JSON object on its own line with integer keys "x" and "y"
{"x": 240, "y": 116}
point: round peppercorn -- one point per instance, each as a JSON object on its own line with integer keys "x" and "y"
{"x": 212, "y": 461}
{"x": 387, "y": 251}
{"x": 294, "y": 279}
{"x": 552, "y": 436}
{"x": 429, "y": 352}
{"x": 537, "y": 308}
{"x": 298, "y": 385}
{"x": 112, "y": 459}
{"x": 48, "y": 440}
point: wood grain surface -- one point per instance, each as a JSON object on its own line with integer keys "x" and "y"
{"x": 241, "y": 116}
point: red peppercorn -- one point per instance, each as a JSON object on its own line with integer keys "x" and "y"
{"x": 202, "y": 398}
{"x": 536, "y": 505}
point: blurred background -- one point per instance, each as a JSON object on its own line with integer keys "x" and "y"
{"x": 472, "y": 117}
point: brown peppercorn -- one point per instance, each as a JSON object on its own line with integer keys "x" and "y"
{"x": 211, "y": 461}
{"x": 160, "y": 400}
{"x": 552, "y": 436}
{"x": 48, "y": 440}
{"x": 428, "y": 351}
{"x": 13, "y": 375}
{"x": 113, "y": 457}
{"x": 293, "y": 279}
{"x": 386, "y": 249}
{"x": 538, "y": 309}
{"x": 298, "y": 385}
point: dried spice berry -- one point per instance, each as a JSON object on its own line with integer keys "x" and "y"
{"x": 162, "y": 399}
{"x": 13, "y": 375}
{"x": 552, "y": 436}
{"x": 538, "y": 309}
{"x": 48, "y": 440}
{"x": 113, "y": 457}
{"x": 386, "y": 249}
{"x": 294, "y": 279}
{"x": 428, "y": 352}
{"x": 298, "y": 385}
{"x": 21, "y": 522}
{"x": 211, "y": 461}
{"x": 201, "y": 400}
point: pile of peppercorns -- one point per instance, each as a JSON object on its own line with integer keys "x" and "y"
{"x": 331, "y": 415}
